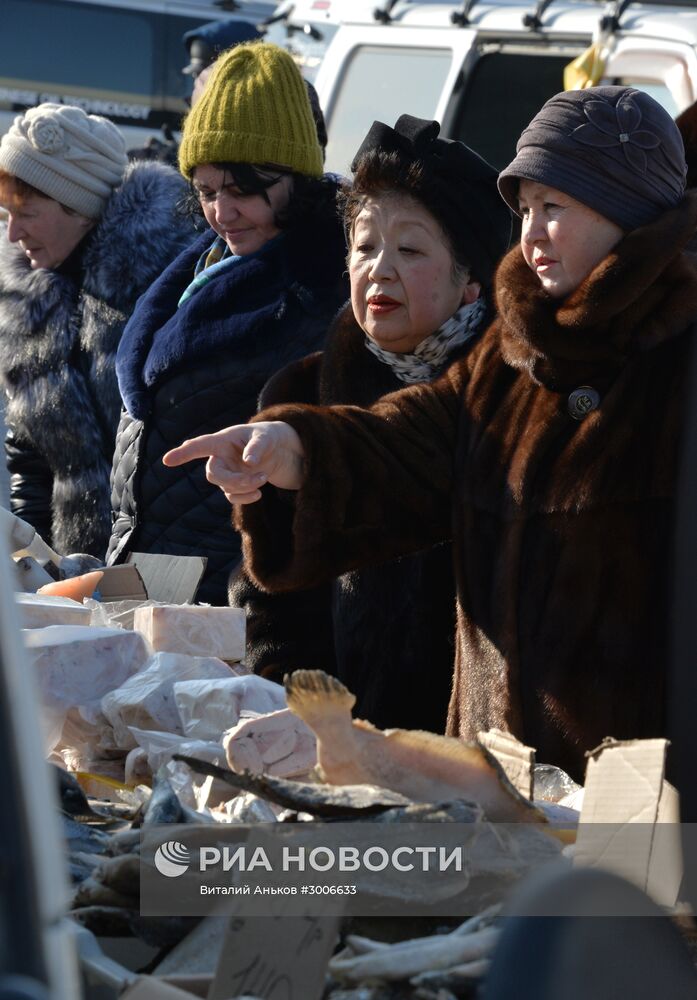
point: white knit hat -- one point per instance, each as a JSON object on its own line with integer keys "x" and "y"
{"x": 71, "y": 156}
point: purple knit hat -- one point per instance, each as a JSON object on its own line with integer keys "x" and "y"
{"x": 614, "y": 149}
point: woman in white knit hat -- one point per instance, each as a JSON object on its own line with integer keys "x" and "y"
{"x": 86, "y": 233}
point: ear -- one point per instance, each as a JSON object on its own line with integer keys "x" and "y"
{"x": 86, "y": 223}
{"x": 471, "y": 293}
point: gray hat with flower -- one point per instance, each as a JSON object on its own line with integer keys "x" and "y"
{"x": 614, "y": 149}
{"x": 71, "y": 156}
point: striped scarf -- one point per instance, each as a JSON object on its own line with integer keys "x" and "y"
{"x": 431, "y": 356}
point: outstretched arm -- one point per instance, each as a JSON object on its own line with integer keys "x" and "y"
{"x": 371, "y": 484}
{"x": 241, "y": 459}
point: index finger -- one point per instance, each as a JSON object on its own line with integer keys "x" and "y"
{"x": 199, "y": 447}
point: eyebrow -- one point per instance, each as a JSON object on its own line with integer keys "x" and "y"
{"x": 405, "y": 222}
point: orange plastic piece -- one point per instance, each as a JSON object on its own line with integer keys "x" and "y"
{"x": 76, "y": 587}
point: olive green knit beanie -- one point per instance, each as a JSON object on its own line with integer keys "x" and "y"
{"x": 255, "y": 109}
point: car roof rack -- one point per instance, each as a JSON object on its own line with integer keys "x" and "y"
{"x": 382, "y": 14}
{"x": 611, "y": 21}
{"x": 534, "y": 20}
{"x": 462, "y": 17}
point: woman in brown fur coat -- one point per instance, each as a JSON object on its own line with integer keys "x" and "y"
{"x": 549, "y": 455}
{"x": 386, "y": 629}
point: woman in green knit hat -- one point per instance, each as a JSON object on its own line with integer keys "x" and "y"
{"x": 256, "y": 291}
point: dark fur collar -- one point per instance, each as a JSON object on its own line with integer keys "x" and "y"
{"x": 306, "y": 264}
{"x": 641, "y": 294}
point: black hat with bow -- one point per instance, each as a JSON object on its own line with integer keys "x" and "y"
{"x": 457, "y": 186}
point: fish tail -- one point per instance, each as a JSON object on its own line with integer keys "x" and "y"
{"x": 314, "y": 696}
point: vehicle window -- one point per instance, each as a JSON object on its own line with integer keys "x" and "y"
{"x": 504, "y": 90}
{"x": 659, "y": 91}
{"x": 383, "y": 83}
{"x": 79, "y": 49}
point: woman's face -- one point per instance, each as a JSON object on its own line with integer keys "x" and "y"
{"x": 245, "y": 221}
{"x": 45, "y": 231}
{"x": 562, "y": 240}
{"x": 403, "y": 284}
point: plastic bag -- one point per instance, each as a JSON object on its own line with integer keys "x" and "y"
{"x": 207, "y": 710}
{"x": 146, "y": 700}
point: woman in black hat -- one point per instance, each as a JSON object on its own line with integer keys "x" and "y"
{"x": 426, "y": 227}
{"x": 549, "y": 454}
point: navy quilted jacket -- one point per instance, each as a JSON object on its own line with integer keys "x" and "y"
{"x": 199, "y": 368}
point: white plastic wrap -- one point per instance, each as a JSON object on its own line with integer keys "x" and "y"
{"x": 116, "y": 614}
{"x": 195, "y": 790}
{"x": 245, "y": 808}
{"x": 41, "y": 610}
{"x": 146, "y": 700}
{"x": 551, "y": 784}
{"x": 161, "y": 747}
{"x": 196, "y": 630}
{"x": 76, "y": 666}
{"x": 278, "y": 743}
{"x": 208, "y": 710}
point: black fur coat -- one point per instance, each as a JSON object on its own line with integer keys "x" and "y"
{"x": 59, "y": 332}
{"x": 382, "y": 630}
{"x": 562, "y": 529}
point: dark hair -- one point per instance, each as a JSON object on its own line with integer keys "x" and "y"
{"x": 310, "y": 196}
{"x": 381, "y": 172}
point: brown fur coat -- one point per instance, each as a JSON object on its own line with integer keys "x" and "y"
{"x": 383, "y": 630}
{"x": 562, "y": 529}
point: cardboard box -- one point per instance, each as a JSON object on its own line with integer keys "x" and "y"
{"x": 169, "y": 579}
{"x": 264, "y": 956}
{"x": 630, "y": 820}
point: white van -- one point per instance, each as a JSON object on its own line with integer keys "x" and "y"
{"x": 483, "y": 68}
{"x": 306, "y": 27}
{"x": 119, "y": 58}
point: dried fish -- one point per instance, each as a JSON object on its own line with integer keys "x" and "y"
{"x": 86, "y": 839}
{"x": 420, "y": 765}
{"x": 409, "y": 958}
{"x": 320, "y": 800}
{"x": 124, "y": 842}
{"x": 90, "y": 892}
{"x": 378, "y": 992}
{"x": 362, "y": 945}
{"x": 454, "y": 978}
{"x": 482, "y": 919}
{"x": 81, "y": 865}
{"x": 122, "y": 874}
{"x": 105, "y": 921}
{"x": 455, "y": 811}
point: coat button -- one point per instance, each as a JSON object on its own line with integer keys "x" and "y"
{"x": 583, "y": 401}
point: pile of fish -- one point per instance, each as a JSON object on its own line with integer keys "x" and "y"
{"x": 361, "y": 774}
{"x": 443, "y": 966}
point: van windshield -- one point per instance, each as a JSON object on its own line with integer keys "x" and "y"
{"x": 381, "y": 83}
{"x": 503, "y": 93}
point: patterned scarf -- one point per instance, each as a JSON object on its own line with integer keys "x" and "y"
{"x": 217, "y": 258}
{"x": 432, "y": 354}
